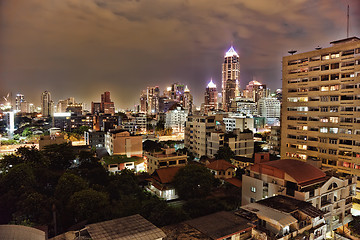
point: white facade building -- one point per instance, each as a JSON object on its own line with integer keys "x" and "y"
{"x": 175, "y": 119}
{"x": 269, "y": 107}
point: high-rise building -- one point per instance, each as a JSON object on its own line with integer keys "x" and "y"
{"x": 63, "y": 104}
{"x": 18, "y": 100}
{"x": 47, "y": 105}
{"x": 188, "y": 100}
{"x": 320, "y": 110}
{"x": 269, "y": 107}
{"x": 143, "y": 101}
{"x": 210, "y": 97}
{"x": 230, "y": 77}
{"x": 255, "y": 90}
{"x": 153, "y": 94}
{"x": 175, "y": 119}
{"x": 107, "y": 106}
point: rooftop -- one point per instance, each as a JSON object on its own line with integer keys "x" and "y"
{"x": 345, "y": 40}
{"x": 165, "y": 175}
{"x": 220, "y": 165}
{"x": 117, "y": 159}
{"x": 271, "y": 215}
{"x": 288, "y": 205}
{"x": 131, "y": 227}
{"x": 302, "y": 172}
{"x": 231, "y": 52}
{"x": 220, "y": 224}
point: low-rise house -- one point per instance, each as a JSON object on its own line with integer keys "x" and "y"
{"x": 133, "y": 227}
{"x": 223, "y": 225}
{"x": 117, "y": 163}
{"x": 221, "y": 169}
{"x": 161, "y": 183}
{"x": 163, "y": 159}
{"x": 94, "y": 138}
{"x": 282, "y": 217}
{"x": 330, "y": 193}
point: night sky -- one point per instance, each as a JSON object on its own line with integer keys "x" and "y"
{"x": 81, "y": 48}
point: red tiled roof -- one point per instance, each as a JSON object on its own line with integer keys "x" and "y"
{"x": 302, "y": 172}
{"x": 220, "y": 165}
{"x": 165, "y": 175}
{"x": 234, "y": 181}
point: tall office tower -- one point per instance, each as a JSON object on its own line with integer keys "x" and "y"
{"x": 107, "y": 106}
{"x": 269, "y": 107}
{"x": 143, "y": 101}
{"x": 63, "y": 104}
{"x": 320, "y": 107}
{"x": 153, "y": 94}
{"x": 47, "y": 105}
{"x": 210, "y": 97}
{"x": 188, "y": 100}
{"x": 18, "y": 100}
{"x": 255, "y": 90}
{"x": 230, "y": 77}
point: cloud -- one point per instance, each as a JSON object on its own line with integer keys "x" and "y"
{"x": 82, "y": 47}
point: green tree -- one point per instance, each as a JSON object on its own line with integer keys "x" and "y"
{"x": 27, "y": 132}
{"x": 89, "y": 205}
{"x": 61, "y": 156}
{"x": 225, "y": 153}
{"x": 160, "y": 126}
{"x": 68, "y": 185}
{"x": 200, "y": 207}
{"x": 194, "y": 181}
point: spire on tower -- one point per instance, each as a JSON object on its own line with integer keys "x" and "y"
{"x": 211, "y": 84}
{"x": 231, "y": 52}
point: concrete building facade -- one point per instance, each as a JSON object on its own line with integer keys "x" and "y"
{"x": 320, "y": 111}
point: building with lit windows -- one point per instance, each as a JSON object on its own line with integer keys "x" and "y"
{"x": 255, "y": 90}
{"x": 230, "y": 78}
{"x": 328, "y": 192}
{"x": 321, "y": 106}
{"x": 47, "y": 105}
{"x": 175, "y": 119}
{"x": 269, "y": 107}
{"x": 211, "y": 93}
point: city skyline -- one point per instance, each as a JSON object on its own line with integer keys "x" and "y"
{"x": 83, "y": 48}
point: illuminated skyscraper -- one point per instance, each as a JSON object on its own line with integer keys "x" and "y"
{"x": 230, "y": 77}
{"x": 47, "y": 105}
{"x": 210, "y": 97}
{"x": 18, "y": 100}
{"x": 188, "y": 100}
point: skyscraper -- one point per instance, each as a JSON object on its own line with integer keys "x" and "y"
{"x": 210, "y": 102}
{"x": 320, "y": 110}
{"x": 255, "y": 90}
{"x": 107, "y": 106}
{"x": 18, "y": 100}
{"x": 47, "y": 105}
{"x": 230, "y": 77}
{"x": 188, "y": 100}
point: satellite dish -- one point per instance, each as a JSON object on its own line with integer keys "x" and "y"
{"x": 318, "y": 48}
{"x": 292, "y": 52}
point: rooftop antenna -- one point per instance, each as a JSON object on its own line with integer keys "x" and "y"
{"x": 347, "y": 32}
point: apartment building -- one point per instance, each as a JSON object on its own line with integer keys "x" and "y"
{"x": 175, "y": 119}
{"x": 238, "y": 122}
{"x": 328, "y": 192}
{"x": 163, "y": 159}
{"x": 321, "y": 106}
{"x": 197, "y": 130}
{"x": 120, "y": 142}
{"x": 241, "y": 143}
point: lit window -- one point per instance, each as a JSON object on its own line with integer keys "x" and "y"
{"x": 253, "y": 189}
{"x": 323, "y": 129}
{"x": 334, "y": 119}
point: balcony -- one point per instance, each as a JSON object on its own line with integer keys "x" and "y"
{"x": 325, "y": 202}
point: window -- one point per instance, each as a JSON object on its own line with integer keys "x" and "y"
{"x": 332, "y": 151}
{"x": 324, "y": 88}
{"x": 323, "y": 140}
{"x": 334, "y": 119}
{"x": 323, "y": 129}
{"x": 333, "y": 141}
{"x": 333, "y": 130}
{"x": 253, "y": 189}
{"x": 334, "y": 98}
{"x": 334, "y": 88}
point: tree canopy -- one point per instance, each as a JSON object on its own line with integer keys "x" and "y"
{"x": 225, "y": 153}
{"x": 194, "y": 181}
